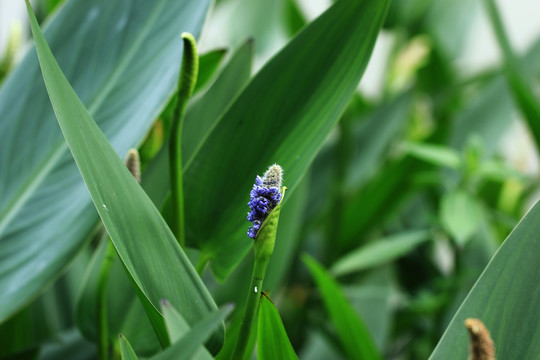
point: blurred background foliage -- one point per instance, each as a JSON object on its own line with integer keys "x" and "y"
{"x": 429, "y": 169}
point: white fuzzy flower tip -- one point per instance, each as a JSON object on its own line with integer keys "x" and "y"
{"x": 273, "y": 177}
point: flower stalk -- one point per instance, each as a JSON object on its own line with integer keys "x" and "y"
{"x": 265, "y": 203}
{"x": 186, "y": 84}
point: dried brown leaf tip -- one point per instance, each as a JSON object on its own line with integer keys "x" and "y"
{"x": 133, "y": 164}
{"x": 481, "y": 347}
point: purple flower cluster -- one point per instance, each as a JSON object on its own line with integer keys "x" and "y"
{"x": 264, "y": 197}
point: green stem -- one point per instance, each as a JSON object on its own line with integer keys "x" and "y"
{"x": 103, "y": 279}
{"x": 186, "y": 84}
{"x": 263, "y": 248}
{"x": 252, "y": 305}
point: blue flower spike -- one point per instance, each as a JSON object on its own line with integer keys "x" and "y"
{"x": 265, "y": 203}
{"x": 264, "y": 197}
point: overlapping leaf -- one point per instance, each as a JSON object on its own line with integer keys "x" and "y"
{"x": 505, "y": 298}
{"x": 272, "y": 339}
{"x": 146, "y": 246}
{"x": 282, "y": 116}
{"x": 122, "y": 59}
{"x": 353, "y": 333}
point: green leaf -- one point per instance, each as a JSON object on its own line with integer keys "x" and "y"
{"x": 437, "y": 155}
{"x": 124, "y": 80}
{"x": 233, "y": 331}
{"x": 155, "y": 262}
{"x": 449, "y": 23}
{"x": 525, "y": 98}
{"x": 460, "y": 215}
{"x": 186, "y": 347}
{"x": 384, "y": 193}
{"x": 177, "y": 327}
{"x": 68, "y": 345}
{"x": 125, "y": 313}
{"x": 126, "y": 350}
{"x": 372, "y": 138}
{"x": 208, "y": 64}
{"x": 505, "y": 298}
{"x": 293, "y": 17}
{"x": 353, "y": 334}
{"x": 46, "y": 316}
{"x": 281, "y": 117}
{"x": 272, "y": 339}
{"x": 379, "y": 252}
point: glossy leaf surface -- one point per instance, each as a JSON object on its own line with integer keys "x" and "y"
{"x": 282, "y": 116}
{"x": 108, "y": 51}
{"x": 141, "y": 237}
{"x": 505, "y": 299}
{"x": 353, "y": 333}
{"x": 272, "y": 339}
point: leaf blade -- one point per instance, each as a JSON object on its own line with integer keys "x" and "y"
{"x": 345, "y": 319}
{"x": 272, "y": 339}
{"x": 318, "y": 82}
{"x": 142, "y": 240}
{"x": 42, "y": 192}
{"x": 504, "y": 297}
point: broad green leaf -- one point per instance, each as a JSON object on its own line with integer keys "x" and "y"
{"x": 379, "y": 252}
{"x": 282, "y": 116}
{"x": 205, "y": 110}
{"x": 177, "y": 327}
{"x": 126, "y": 350}
{"x": 208, "y": 64}
{"x": 272, "y": 339}
{"x": 155, "y": 262}
{"x": 505, "y": 297}
{"x": 460, "y": 215}
{"x": 201, "y": 113}
{"x": 187, "y": 346}
{"x": 437, "y": 155}
{"x": 353, "y": 334}
{"x": 109, "y": 52}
